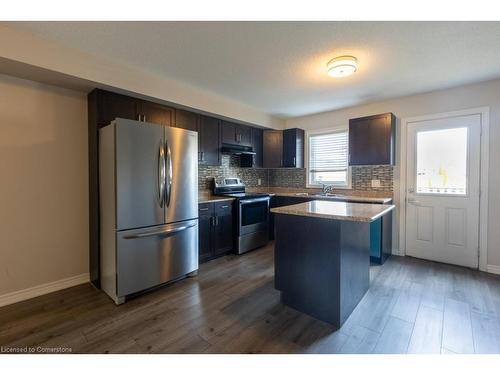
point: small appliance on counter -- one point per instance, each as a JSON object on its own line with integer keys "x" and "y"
{"x": 252, "y": 213}
{"x": 148, "y": 206}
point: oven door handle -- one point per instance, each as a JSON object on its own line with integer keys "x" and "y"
{"x": 254, "y": 200}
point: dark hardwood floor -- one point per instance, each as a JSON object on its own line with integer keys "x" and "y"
{"x": 412, "y": 306}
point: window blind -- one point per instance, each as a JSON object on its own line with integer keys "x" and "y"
{"x": 328, "y": 155}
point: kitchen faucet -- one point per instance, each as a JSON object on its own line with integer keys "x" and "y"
{"x": 327, "y": 189}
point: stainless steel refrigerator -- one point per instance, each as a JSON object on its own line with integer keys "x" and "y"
{"x": 148, "y": 199}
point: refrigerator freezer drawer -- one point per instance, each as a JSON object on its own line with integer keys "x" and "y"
{"x": 152, "y": 256}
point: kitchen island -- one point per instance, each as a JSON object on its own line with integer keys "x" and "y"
{"x": 322, "y": 256}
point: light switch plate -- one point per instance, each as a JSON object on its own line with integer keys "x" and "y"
{"x": 375, "y": 183}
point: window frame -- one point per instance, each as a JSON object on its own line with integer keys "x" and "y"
{"x": 309, "y": 133}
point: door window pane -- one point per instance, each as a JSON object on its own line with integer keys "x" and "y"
{"x": 442, "y": 161}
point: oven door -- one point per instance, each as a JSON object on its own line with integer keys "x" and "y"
{"x": 254, "y": 215}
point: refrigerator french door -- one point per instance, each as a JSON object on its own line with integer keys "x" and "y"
{"x": 148, "y": 206}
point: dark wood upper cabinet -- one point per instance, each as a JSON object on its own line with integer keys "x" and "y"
{"x": 245, "y": 134}
{"x": 110, "y": 105}
{"x": 257, "y": 146}
{"x": 283, "y": 149}
{"x": 236, "y": 134}
{"x": 228, "y": 132}
{"x": 155, "y": 113}
{"x": 293, "y": 148}
{"x": 273, "y": 148}
{"x": 372, "y": 140}
{"x": 186, "y": 120}
{"x": 209, "y": 136}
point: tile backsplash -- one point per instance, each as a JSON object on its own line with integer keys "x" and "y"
{"x": 290, "y": 177}
{"x": 230, "y": 168}
{"x": 363, "y": 176}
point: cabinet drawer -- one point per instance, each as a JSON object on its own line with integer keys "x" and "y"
{"x": 223, "y": 208}
{"x": 205, "y": 209}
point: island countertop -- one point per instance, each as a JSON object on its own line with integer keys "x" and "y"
{"x": 363, "y": 212}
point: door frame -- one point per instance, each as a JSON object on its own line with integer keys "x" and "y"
{"x": 484, "y": 113}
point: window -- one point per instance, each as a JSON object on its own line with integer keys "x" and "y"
{"x": 327, "y": 159}
{"x": 442, "y": 161}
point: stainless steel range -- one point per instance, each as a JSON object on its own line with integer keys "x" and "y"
{"x": 252, "y": 213}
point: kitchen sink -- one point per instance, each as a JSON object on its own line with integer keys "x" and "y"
{"x": 333, "y": 195}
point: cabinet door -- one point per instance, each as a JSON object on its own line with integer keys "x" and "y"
{"x": 273, "y": 148}
{"x": 257, "y": 147}
{"x": 186, "y": 120}
{"x": 111, "y": 106}
{"x": 293, "y": 148}
{"x": 155, "y": 113}
{"x": 204, "y": 237}
{"x": 371, "y": 140}
{"x": 244, "y": 135}
{"x": 209, "y": 141}
{"x": 236, "y": 134}
{"x": 229, "y": 134}
{"x": 205, "y": 213}
{"x": 223, "y": 228}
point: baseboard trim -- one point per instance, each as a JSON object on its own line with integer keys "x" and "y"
{"x": 39, "y": 290}
{"x": 493, "y": 269}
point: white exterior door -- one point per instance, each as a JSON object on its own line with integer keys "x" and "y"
{"x": 443, "y": 173}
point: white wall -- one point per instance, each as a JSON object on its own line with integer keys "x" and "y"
{"x": 44, "y": 184}
{"x": 470, "y": 96}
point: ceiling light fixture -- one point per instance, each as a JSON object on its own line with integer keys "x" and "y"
{"x": 342, "y": 66}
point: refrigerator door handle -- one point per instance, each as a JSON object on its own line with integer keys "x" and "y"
{"x": 161, "y": 175}
{"x": 163, "y": 232}
{"x": 168, "y": 174}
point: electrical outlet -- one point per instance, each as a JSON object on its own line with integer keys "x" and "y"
{"x": 259, "y": 181}
{"x": 375, "y": 183}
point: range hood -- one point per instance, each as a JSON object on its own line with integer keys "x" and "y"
{"x": 236, "y": 149}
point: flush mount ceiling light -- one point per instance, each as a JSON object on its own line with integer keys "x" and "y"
{"x": 342, "y": 66}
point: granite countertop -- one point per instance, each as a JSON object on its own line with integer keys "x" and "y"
{"x": 337, "y": 197}
{"x": 207, "y": 197}
{"x": 363, "y": 212}
{"x": 348, "y": 195}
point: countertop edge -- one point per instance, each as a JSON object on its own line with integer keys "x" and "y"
{"x": 278, "y": 210}
{"x": 214, "y": 199}
{"x": 353, "y": 198}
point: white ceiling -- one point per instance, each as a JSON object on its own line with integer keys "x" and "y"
{"x": 279, "y": 67}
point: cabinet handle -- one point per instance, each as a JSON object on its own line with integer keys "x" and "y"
{"x": 204, "y": 209}
{"x": 224, "y": 206}
{"x": 139, "y": 117}
{"x": 202, "y": 156}
{"x": 216, "y": 220}
{"x": 294, "y": 161}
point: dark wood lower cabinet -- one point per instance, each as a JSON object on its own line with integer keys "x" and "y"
{"x": 204, "y": 238}
{"x": 215, "y": 230}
